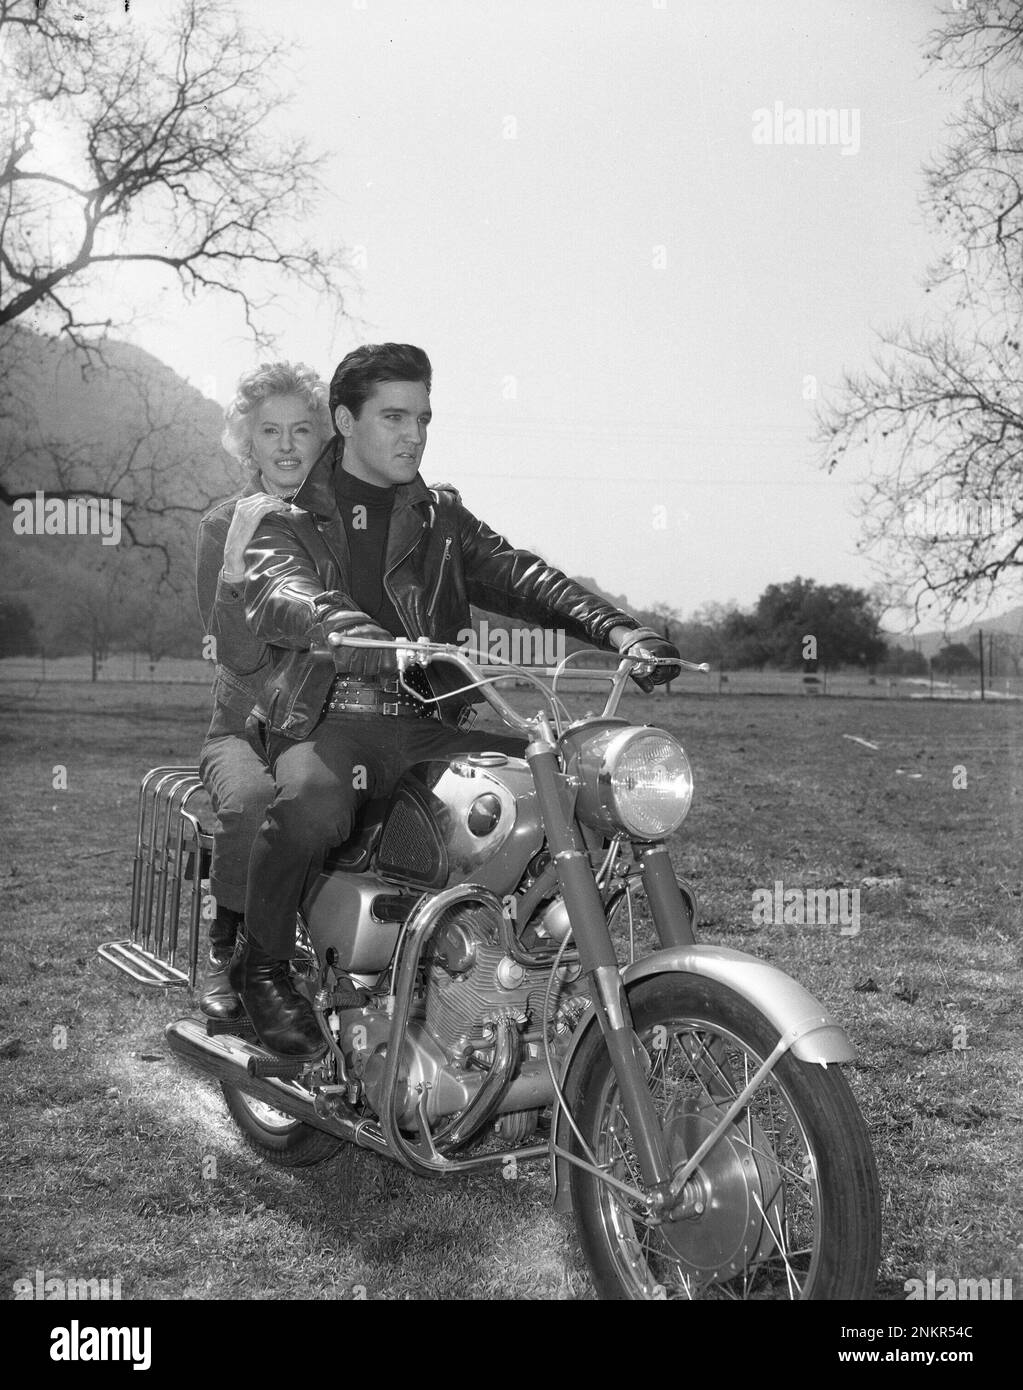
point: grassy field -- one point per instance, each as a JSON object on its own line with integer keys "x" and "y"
{"x": 136, "y": 667}
{"x": 121, "y": 1165}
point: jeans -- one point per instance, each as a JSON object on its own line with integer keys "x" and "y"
{"x": 241, "y": 787}
{"x": 321, "y": 782}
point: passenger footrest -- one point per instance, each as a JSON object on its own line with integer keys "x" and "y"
{"x": 141, "y": 965}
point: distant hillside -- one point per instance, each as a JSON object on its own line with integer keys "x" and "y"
{"x": 66, "y": 422}
{"x": 126, "y": 429}
{"x": 619, "y": 600}
{"x": 930, "y": 643}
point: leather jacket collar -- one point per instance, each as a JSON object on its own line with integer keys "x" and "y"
{"x": 317, "y": 495}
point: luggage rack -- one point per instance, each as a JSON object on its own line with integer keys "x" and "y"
{"x": 172, "y": 858}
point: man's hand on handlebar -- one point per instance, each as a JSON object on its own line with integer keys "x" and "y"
{"x": 645, "y": 642}
{"x": 364, "y": 663}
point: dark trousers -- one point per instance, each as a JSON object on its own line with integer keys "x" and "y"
{"x": 241, "y": 788}
{"x": 321, "y": 783}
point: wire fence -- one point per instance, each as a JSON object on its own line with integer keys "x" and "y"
{"x": 139, "y": 669}
{"x": 859, "y": 684}
{"x": 122, "y": 666}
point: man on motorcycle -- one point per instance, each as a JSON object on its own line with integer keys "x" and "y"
{"x": 367, "y": 550}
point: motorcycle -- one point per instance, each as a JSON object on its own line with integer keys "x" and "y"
{"x": 471, "y": 955}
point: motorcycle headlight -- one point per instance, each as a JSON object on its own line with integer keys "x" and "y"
{"x": 635, "y": 780}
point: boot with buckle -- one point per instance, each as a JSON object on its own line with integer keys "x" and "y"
{"x": 219, "y": 999}
{"x": 281, "y": 1015}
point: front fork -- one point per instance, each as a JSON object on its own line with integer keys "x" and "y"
{"x": 597, "y": 956}
{"x": 672, "y": 914}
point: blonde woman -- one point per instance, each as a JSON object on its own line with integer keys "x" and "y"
{"x": 277, "y": 426}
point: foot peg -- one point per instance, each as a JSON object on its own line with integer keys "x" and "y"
{"x": 237, "y": 1027}
{"x": 288, "y": 1068}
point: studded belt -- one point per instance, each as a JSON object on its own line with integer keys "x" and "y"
{"x": 347, "y": 696}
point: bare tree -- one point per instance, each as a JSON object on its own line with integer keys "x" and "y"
{"x": 119, "y": 149}
{"x": 940, "y": 413}
{"x": 166, "y": 160}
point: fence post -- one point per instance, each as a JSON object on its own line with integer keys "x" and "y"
{"x": 980, "y": 639}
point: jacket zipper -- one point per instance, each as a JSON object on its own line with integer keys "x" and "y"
{"x": 440, "y": 578}
{"x": 399, "y": 609}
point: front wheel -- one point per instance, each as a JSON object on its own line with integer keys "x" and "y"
{"x": 786, "y": 1202}
{"x": 276, "y": 1136}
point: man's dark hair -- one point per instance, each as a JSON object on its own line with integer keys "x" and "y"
{"x": 364, "y": 369}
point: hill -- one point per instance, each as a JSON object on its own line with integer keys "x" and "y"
{"x": 126, "y": 429}
{"x": 1008, "y": 624}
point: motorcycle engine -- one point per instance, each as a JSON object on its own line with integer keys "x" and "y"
{"x": 468, "y": 982}
{"x": 471, "y": 977}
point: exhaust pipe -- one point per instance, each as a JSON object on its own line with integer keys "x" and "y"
{"x": 226, "y": 1058}
{"x": 485, "y": 1103}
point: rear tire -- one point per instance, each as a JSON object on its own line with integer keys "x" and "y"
{"x": 275, "y": 1136}
{"x": 788, "y": 1196}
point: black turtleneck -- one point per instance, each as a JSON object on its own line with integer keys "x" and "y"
{"x": 366, "y": 512}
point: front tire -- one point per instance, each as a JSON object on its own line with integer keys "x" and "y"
{"x": 275, "y": 1136}
{"x": 787, "y": 1204}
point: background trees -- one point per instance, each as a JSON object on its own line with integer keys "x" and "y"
{"x": 118, "y": 149}
{"x": 124, "y": 148}
{"x": 843, "y": 622}
{"x": 17, "y": 629}
{"x": 955, "y": 659}
{"x": 939, "y": 411}
{"x": 132, "y": 431}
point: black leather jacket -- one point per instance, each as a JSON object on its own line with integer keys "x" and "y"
{"x": 440, "y": 558}
{"x": 243, "y": 661}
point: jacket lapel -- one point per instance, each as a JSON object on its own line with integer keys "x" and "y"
{"x": 316, "y": 497}
{"x": 409, "y": 519}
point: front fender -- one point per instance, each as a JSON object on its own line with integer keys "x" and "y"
{"x": 814, "y": 1035}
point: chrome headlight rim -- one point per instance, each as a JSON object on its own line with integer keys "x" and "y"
{"x": 596, "y": 760}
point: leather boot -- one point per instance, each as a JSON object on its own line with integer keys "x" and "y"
{"x": 219, "y": 999}
{"x": 282, "y": 1017}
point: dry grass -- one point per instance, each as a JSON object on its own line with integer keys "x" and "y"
{"x": 108, "y": 1163}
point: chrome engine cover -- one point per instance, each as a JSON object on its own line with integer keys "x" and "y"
{"x": 338, "y": 912}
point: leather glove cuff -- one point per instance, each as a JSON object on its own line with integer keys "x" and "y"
{"x": 637, "y": 635}
{"x": 344, "y": 622}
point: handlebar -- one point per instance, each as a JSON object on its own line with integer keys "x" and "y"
{"x": 423, "y": 652}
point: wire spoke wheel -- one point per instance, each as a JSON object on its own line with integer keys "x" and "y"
{"x": 783, "y": 1206}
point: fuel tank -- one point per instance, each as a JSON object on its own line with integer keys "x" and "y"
{"x": 474, "y": 819}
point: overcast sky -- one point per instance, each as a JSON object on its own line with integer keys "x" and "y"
{"x": 628, "y": 299}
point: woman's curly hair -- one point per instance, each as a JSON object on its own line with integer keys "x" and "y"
{"x": 272, "y": 379}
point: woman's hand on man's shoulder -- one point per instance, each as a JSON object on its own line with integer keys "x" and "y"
{"x": 248, "y": 513}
